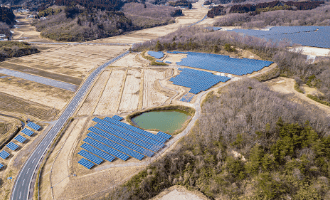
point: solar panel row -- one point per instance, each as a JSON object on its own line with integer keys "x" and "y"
{"x": 4, "y": 154}
{"x": 27, "y": 132}
{"x": 197, "y": 80}
{"x": 116, "y": 146}
{"x": 90, "y": 157}
{"x": 164, "y": 135}
{"x": 119, "y": 140}
{"x": 107, "y": 149}
{"x": 86, "y": 163}
{"x": 20, "y": 138}
{"x": 12, "y": 146}
{"x": 1, "y": 165}
{"x": 221, "y": 63}
{"x": 33, "y": 126}
{"x": 132, "y": 135}
{"x": 116, "y": 117}
{"x": 156, "y": 54}
{"x": 135, "y": 129}
{"x": 129, "y": 135}
{"x": 98, "y": 152}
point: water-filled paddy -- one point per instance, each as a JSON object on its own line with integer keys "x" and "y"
{"x": 166, "y": 121}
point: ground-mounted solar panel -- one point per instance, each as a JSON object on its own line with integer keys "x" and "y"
{"x": 27, "y": 132}
{"x": 90, "y": 157}
{"x": 12, "y": 146}
{"x": 1, "y": 165}
{"x": 20, "y": 139}
{"x": 86, "y": 163}
{"x": 4, "y": 154}
{"x": 116, "y": 117}
{"x": 156, "y": 54}
{"x": 101, "y": 130}
{"x": 138, "y": 130}
{"x": 164, "y": 135}
{"x": 116, "y": 146}
{"x": 129, "y": 135}
{"x": 106, "y": 149}
{"x": 33, "y": 126}
{"x": 98, "y": 152}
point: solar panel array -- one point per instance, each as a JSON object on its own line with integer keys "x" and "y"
{"x": 156, "y": 54}
{"x": 167, "y": 62}
{"x": 12, "y": 146}
{"x": 197, "y": 80}
{"x": 316, "y": 36}
{"x": 20, "y": 139}
{"x": 116, "y": 117}
{"x": 4, "y": 154}
{"x": 86, "y": 163}
{"x": 221, "y": 63}
{"x": 1, "y": 165}
{"x": 27, "y": 132}
{"x": 110, "y": 138}
{"x": 33, "y": 126}
{"x": 160, "y": 61}
{"x": 164, "y": 135}
{"x": 187, "y": 97}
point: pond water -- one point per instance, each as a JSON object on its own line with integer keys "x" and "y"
{"x": 166, "y": 121}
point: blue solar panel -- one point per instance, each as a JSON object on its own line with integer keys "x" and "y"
{"x": 12, "y": 146}
{"x": 86, "y": 163}
{"x": 164, "y": 135}
{"x": 90, "y": 157}
{"x": 317, "y": 36}
{"x": 20, "y": 138}
{"x": 27, "y": 132}
{"x": 135, "y": 129}
{"x": 33, "y": 126}
{"x": 4, "y": 154}
{"x": 167, "y": 62}
{"x": 156, "y": 54}
{"x": 98, "y": 152}
{"x": 116, "y": 117}
{"x": 107, "y": 149}
{"x": 119, "y": 140}
{"x": 116, "y": 146}
{"x": 130, "y": 135}
{"x": 221, "y": 63}
{"x": 1, "y": 165}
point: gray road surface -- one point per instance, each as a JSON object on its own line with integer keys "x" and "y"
{"x": 39, "y": 79}
{"x": 23, "y": 181}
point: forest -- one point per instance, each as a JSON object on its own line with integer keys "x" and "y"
{"x": 319, "y": 16}
{"x": 250, "y": 143}
{"x": 77, "y": 23}
{"x": 184, "y": 3}
{"x": 216, "y": 11}
{"x": 275, "y": 5}
{"x": 7, "y": 16}
{"x": 10, "y": 49}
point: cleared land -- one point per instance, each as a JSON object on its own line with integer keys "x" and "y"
{"x": 110, "y": 99}
{"x": 93, "y": 97}
{"x": 151, "y": 96}
{"x": 179, "y": 193}
{"x": 130, "y": 97}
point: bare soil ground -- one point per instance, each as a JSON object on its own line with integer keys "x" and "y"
{"x": 110, "y": 99}
{"x": 151, "y": 96}
{"x": 35, "y": 92}
{"x": 286, "y": 86}
{"x": 70, "y": 60}
{"x": 8, "y": 126}
{"x": 128, "y": 61}
{"x": 179, "y": 193}
{"x": 93, "y": 97}
{"x": 130, "y": 97}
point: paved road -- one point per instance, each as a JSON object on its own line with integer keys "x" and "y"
{"x": 23, "y": 180}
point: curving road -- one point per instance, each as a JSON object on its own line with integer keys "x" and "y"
{"x": 22, "y": 183}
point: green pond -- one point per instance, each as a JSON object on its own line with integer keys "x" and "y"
{"x": 166, "y": 121}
